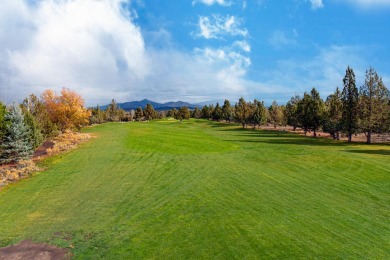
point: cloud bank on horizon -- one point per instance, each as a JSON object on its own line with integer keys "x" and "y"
{"x": 210, "y": 50}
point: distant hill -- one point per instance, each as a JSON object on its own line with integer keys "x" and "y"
{"x": 127, "y": 106}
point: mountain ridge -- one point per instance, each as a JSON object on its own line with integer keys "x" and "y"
{"x": 127, "y": 106}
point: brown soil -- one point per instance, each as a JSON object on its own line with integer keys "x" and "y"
{"x": 33, "y": 251}
{"x": 41, "y": 150}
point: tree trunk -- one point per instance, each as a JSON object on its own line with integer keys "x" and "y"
{"x": 369, "y": 137}
{"x": 314, "y": 133}
{"x": 349, "y": 138}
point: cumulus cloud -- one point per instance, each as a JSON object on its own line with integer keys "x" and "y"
{"x": 78, "y": 44}
{"x": 218, "y": 27}
{"x": 95, "y": 48}
{"x": 211, "y": 2}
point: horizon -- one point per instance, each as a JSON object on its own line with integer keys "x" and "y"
{"x": 194, "y": 50}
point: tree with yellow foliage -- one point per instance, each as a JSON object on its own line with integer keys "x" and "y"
{"x": 66, "y": 110}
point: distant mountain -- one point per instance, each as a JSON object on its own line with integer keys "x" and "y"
{"x": 177, "y": 104}
{"x": 208, "y": 103}
{"x": 127, "y": 106}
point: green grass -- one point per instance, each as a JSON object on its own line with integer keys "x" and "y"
{"x": 206, "y": 190}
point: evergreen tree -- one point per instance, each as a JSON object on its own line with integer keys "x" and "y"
{"x": 112, "y": 112}
{"x": 139, "y": 114}
{"x": 333, "y": 114}
{"x": 291, "y": 112}
{"x": 242, "y": 112}
{"x": 283, "y": 121}
{"x": 227, "y": 111}
{"x": 373, "y": 105}
{"x": 350, "y": 101}
{"x": 172, "y": 112}
{"x": 3, "y": 110}
{"x": 149, "y": 112}
{"x": 275, "y": 114}
{"x": 310, "y": 111}
{"x": 316, "y": 107}
{"x": 183, "y": 113}
{"x": 217, "y": 113}
{"x": 35, "y": 137}
{"x": 16, "y": 143}
{"x": 303, "y": 112}
{"x": 196, "y": 113}
{"x": 259, "y": 114}
{"x": 206, "y": 112}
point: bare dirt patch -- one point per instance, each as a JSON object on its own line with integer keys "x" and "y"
{"x": 33, "y": 251}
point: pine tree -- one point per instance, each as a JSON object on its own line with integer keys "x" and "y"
{"x": 16, "y": 143}
{"x": 113, "y": 111}
{"x": 373, "y": 105}
{"x": 291, "y": 112}
{"x": 183, "y": 113}
{"x": 217, "y": 113}
{"x": 332, "y": 116}
{"x": 303, "y": 112}
{"x": 3, "y": 110}
{"x": 149, "y": 112}
{"x": 227, "y": 111}
{"x": 350, "y": 101}
{"x": 316, "y": 107}
{"x": 196, "y": 113}
{"x": 241, "y": 112}
{"x": 139, "y": 114}
{"x": 206, "y": 112}
{"x": 259, "y": 113}
{"x": 36, "y": 137}
{"x": 275, "y": 114}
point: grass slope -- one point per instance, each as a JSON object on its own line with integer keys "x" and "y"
{"x": 206, "y": 190}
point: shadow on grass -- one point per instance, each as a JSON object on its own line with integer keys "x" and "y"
{"x": 375, "y": 152}
{"x": 277, "y": 140}
{"x": 280, "y": 138}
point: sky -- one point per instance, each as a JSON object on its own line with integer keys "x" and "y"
{"x": 189, "y": 50}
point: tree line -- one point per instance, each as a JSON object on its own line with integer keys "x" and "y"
{"x": 23, "y": 127}
{"x": 349, "y": 111}
{"x": 352, "y": 110}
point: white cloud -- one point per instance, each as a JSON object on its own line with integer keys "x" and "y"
{"x": 242, "y": 45}
{"x": 368, "y": 3}
{"x": 211, "y": 2}
{"x": 95, "y": 48}
{"x": 316, "y": 4}
{"x": 70, "y": 43}
{"x": 324, "y": 71}
{"x": 217, "y": 27}
{"x": 279, "y": 38}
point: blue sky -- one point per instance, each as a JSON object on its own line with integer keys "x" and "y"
{"x": 193, "y": 50}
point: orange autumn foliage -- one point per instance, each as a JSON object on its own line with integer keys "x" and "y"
{"x": 66, "y": 110}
